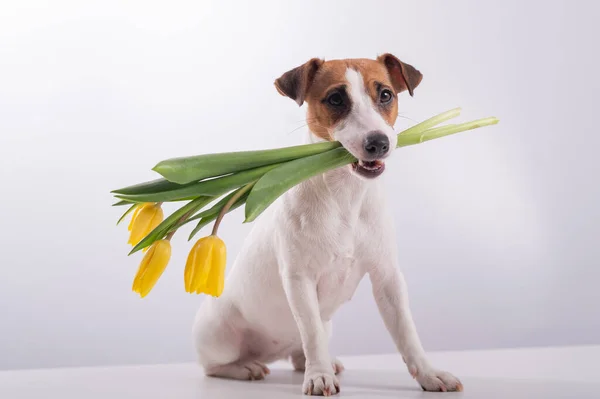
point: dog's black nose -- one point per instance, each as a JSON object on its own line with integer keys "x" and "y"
{"x": 376, "y": 145}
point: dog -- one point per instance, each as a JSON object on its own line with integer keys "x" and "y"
{"x": 307, "y": 253}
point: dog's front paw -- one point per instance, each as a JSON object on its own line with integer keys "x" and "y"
{"x": 434, "y": 380}
{"x": 322, "y": 383}
{"x": 439, "y": 381}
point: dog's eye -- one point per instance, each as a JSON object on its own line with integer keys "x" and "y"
{"x": 335, "y": 99}
{"x": 385, "y": 96}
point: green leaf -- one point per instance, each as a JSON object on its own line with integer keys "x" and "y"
{"x": 162, "y": 229}
{"x": 277, "y": 171}
{"x": 212, "y": 187}
{"x": 189, "y": 169}
{"x": 202, "y": 223}
{"x": 154, "y": 186}
{"x": 214, "y": 210}
{"x": 127, "y": 212}
{"x": 208, "y": 212}
{"x": 442, "y": 131}
{"x": 279, "y": 180}
{"x": 431, "y": 122}
{"x": 212, "y": 216}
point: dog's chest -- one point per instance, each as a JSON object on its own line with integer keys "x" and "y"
{"x": 337, "y": 230}
{"x": 337, "y": 285}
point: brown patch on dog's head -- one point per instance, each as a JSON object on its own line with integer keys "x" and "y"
{"x": 404, "y": 76}
{"x": 296, "y": 82}
{"x": 324, "y": 87}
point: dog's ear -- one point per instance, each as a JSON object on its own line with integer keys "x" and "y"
{"x": 403, "y": 76}
{"x": 296, "y": 82}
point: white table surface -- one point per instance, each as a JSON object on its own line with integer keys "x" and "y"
{"x": 569, "y": 372}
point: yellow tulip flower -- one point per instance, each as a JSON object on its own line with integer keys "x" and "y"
{"x": 149, "y": 216}
{"x": 205, "y": 267}
{"x": 135, "y": 213}
{"x": 152, "y": 267}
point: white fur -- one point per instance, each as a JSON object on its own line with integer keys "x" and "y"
{"x": 363, "y": 119}
{"x": 302, "y": 260}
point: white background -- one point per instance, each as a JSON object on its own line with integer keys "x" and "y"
{"x": 498, "y": 228}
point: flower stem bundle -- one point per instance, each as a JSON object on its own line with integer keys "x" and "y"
{"x": 254, "y": 179}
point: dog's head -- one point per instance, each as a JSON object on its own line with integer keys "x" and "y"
{"x": 353, "y": 101}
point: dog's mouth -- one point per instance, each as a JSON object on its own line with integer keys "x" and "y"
{"x": 369, "y": 169}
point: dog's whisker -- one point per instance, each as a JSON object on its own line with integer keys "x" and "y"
{"x": 308, "y": 121}
{"x": 305, "y": 119}
{"x": 307, "y": 124}
{"x": 406, "y": 117}
{"x": 298, "y": 128}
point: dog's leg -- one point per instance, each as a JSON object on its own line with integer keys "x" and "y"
{"x": 337, "y": 365}
{"x": 389, "y": 289}
{"x": 252, "y": 370}
{"x": 299, "y": 362}
{"x": 219, "y": 340}
{"x": 319, "y": 376}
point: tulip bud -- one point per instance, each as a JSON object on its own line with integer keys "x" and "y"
{"x": 149, "y": 216}
{"x": 205, "y": 267}
{"x": 152, "y": 267}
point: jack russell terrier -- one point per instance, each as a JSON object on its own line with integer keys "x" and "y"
{"x": 308, "y": 252}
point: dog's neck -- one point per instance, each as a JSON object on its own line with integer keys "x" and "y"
{"x": 341, "y": 185}
{"x": 329, "y": 206}
{"x": 342, "y": 181}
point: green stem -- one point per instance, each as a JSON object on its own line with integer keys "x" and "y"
{"x": 431, "y": 122}
{"x": 228, "y": 205}
{"x": 204, "y": 221}
{"x": 438, "y": 132}
{"x": 461, "y": 127}
{"x": 178, "y": 224}
{"x": 277, "y": 181}
{"x": 188, "y": 169}
{"x": 212, "y": 187}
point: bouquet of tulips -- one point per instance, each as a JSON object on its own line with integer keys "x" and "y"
{"x": 227, "y": 181}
